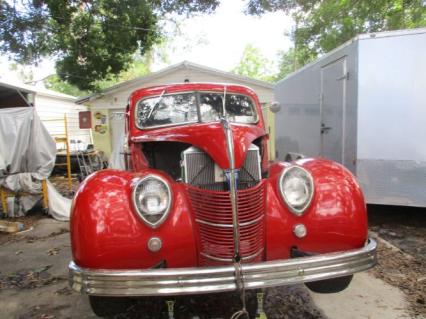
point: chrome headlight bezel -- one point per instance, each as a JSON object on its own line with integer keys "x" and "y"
{"x": 299, "y": 211}
{"x": 137, "y": 208}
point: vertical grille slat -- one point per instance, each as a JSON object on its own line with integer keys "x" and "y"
{"x": 216, "y": 244}
{"x": 200, "y": 170}
{"x": 211, "y": 204}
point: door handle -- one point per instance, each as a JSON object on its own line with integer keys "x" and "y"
{"x": 325, "y": 129}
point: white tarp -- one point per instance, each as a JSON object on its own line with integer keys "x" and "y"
{"x": 59, "y": 206}
{"x": 27, "y": 156}
{"x": 117, "y": 155}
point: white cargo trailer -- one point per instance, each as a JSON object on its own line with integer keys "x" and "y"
{"x": 363, "y": 105}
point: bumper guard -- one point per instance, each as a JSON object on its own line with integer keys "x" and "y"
{"x": 183, "y": 281}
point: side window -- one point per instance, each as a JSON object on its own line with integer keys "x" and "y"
{"x": 240, "y": 108}
{"x": 210, "y": 106}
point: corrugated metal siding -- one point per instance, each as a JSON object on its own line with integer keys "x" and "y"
{"x": 51, "y": 108}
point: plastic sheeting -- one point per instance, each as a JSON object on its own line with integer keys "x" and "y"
{"x": 25, "y": 144}
{"x": 27, "y": 156}
{"x": 59, "y": 206}
{"x": 117, "y": 158}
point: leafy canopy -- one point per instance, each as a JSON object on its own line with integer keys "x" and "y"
{"x": 90, "y": 40}
{"x": 140, "y": 66}
{"x": 254, "y": 65}
{"x": 323, "y": 25}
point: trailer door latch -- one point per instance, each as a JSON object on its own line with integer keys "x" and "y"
{"x": 325, "y": 129}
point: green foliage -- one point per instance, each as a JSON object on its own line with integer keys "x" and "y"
{"x": 324, "y": 25}
{"x": 54, "y": 83}
{"x": 254, "y": 65}
{"x": 287, "y": 64}
{"x": 23, "y": 72}
{"x": 93, "y": 41}
{"x": 139, "y": 67}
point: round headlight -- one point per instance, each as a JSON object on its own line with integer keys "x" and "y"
{"x": 151, "y": 198}
{"x": 297, "y": 188}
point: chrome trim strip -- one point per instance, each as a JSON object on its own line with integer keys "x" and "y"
{"x": 182, "y": 281}
{"x": 232, "y": 180}
{"x": 230, "y": 259}
{"x": 254, "y": 221}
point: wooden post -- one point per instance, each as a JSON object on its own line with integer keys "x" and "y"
{"x": 45, "y": 194}
{"x": 68, "y": 154}
{"x": 3, "y": 200}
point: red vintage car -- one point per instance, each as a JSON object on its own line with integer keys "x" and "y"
{"x": 200, "y": 208}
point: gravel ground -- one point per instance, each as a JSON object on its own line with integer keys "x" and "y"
{"x": 291, "y": 302}
{"x": 404, "y": 227}
{"x": 406, "y": 273}
{"x": 402, "y": 255}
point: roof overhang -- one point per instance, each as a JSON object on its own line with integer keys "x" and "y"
{"x": 235, "y": 78}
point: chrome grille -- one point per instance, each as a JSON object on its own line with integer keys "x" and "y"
{"x": 199, "y": 169}
{"x": 213, "y": 216}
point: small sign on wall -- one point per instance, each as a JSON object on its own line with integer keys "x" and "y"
{"x": 85, "y": 119}
{"x": 101, "y": 122}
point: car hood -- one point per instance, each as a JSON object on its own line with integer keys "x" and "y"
{"x": 209, "y": 137}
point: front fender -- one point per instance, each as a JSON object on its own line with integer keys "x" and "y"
{"x": 106, "y": 233}
{"x": 336, "y": 219}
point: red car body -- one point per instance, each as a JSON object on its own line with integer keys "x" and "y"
{"x": 108, "y": 234}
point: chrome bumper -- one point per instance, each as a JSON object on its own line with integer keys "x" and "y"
{"x": 181, "y": 281}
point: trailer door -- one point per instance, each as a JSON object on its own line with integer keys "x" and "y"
{"x": 333, "y": 87}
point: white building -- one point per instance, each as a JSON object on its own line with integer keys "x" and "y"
{"x": 49, "y": 105}
{"x": 105, "y": 105}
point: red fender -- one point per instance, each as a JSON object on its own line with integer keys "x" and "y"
{"x": 336, "y": 219}
{"x": 107, "y": 233}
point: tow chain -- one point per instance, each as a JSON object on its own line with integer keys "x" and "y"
{"x": 240, "y": 286}
{"x": 170, "y": 308}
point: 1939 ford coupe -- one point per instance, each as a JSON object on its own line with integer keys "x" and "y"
{"x": 200, "y": 208}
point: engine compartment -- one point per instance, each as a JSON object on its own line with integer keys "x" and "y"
{"x": 165, "y": 156}
{"x": 186, "y": 163}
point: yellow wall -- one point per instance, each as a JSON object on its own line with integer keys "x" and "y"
{"x": 101, "y": 130}
{"x": 269, "y": 118}
{"x": 271, "y": 128}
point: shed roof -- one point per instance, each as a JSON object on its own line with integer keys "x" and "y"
{"x": 8, "y": 86}
{"x": 170, "y": 69}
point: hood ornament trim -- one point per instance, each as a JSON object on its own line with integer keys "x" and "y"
{"x": 232, "y": 178}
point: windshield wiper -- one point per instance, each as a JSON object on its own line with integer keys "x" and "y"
{"x": 224, "y": 102}
{"x": 160, "y": 98}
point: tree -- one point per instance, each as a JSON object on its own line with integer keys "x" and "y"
{"x": 53, "y": 82}
{"x": 324, "y": 25}
{"x": 91, "y": 40}
{"x": 140, "y": 66}
{"x": 254, "y": 65}
{"x": 23, "y": 72}
{"x": 287, "y": 64}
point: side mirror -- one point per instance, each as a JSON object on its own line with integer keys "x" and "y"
{"x": 275, "y": 107}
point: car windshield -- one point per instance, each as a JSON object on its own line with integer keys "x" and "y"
{"x": 193, "y": 107}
